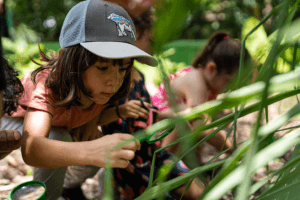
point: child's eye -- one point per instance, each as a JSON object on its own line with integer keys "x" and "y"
{"x": 102, "y": 68}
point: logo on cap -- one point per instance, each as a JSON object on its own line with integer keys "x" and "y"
{"x": 122, "y": 25}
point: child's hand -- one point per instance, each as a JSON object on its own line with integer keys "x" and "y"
{"x": 119, "y": 157}
{"x": 134, "y": 109}
{"x": 9, "y": 140}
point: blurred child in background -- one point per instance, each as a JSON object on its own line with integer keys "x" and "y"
{"x": 209, "y": 75}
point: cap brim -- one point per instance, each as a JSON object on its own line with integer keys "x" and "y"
{"x": 119, "y": 50}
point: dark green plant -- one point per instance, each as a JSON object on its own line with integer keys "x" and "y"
{"x": 209, "y": 16}
{"x": 18, "y": 53}
{"x": 153, "y": 73}
{"x": 259, "y": 45}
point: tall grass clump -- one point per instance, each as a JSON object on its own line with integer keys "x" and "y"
{"x": 237, "y": 170}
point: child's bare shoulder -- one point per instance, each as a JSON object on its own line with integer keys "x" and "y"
{"x": 189, "y": 79}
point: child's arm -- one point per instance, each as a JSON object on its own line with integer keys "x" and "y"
{"x": 9, "y": 140}
{"x": 131, "y": 108}
{"x": 40, "y": 151}
{"x": 219, "y": 140}
{"x": 197, "y": 93}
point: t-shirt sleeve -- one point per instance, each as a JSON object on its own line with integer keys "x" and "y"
{"x": 37, "y": 96}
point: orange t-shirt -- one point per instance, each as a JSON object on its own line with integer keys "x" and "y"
{"x": 39, "y": 97}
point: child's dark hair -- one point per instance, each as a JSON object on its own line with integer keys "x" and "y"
{"x": 223, "y": 51}
{"x": 13, "y": 90}
{"x": 2, "y": 78}
{"x": 66, "y": 75}
{"x": 142, "y": 23}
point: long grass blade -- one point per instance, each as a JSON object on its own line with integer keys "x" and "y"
{"x": 255, "y": 187}
{"x": 274, "y": 150}
{"x": 161, "y": 189}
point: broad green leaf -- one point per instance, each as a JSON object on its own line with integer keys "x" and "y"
{"x": 256, "y": 43}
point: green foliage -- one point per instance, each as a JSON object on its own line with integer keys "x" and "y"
{"x": 287, "y": 180}
{"x": 185, "y": 50}
{"x": 153, "y": 74}
{"x": 226, "y": 178}
{"x": 257, "y": 42}
{"x": 169, "y": 25}
{"x": 29, "y": 172}
{"x": 209, "y": 16}
{"x": 18, "y": 53}
{"x": 24, "y": 32}
{"x": 198, "y": 19}
{"x": 33, "y": 13}
{"x": 259, "y": 45}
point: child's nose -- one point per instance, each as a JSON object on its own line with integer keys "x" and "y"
{"x": 113, "y": 78}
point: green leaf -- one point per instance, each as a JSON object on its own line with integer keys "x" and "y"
{"x": 29, "y": 172}
{"x": 257, "y": 42}
{"x": 263, "y": 157}
{"x": 162, "y": 188}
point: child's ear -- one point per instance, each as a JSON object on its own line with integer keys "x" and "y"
{"x": 211, "y": 66}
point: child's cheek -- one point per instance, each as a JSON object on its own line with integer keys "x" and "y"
{"x": 86, "y": 80}
{"x": 120, "y": 83}
{"x": 121, "y": 76}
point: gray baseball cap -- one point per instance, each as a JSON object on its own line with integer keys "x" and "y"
{"x": 104, "y": 29}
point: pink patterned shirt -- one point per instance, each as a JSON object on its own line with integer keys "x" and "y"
{"x": 161, "y": 100}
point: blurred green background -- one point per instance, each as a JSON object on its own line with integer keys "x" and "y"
{"x": 182, "y": 25}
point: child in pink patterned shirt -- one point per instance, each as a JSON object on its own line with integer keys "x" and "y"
{"x": 209, "y": 75}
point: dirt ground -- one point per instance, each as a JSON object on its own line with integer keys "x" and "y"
{"x": 14, "y": 171}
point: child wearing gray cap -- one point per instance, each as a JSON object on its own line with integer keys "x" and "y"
{"x": 134, "y": 113}
{"x": 71, "y": 88}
